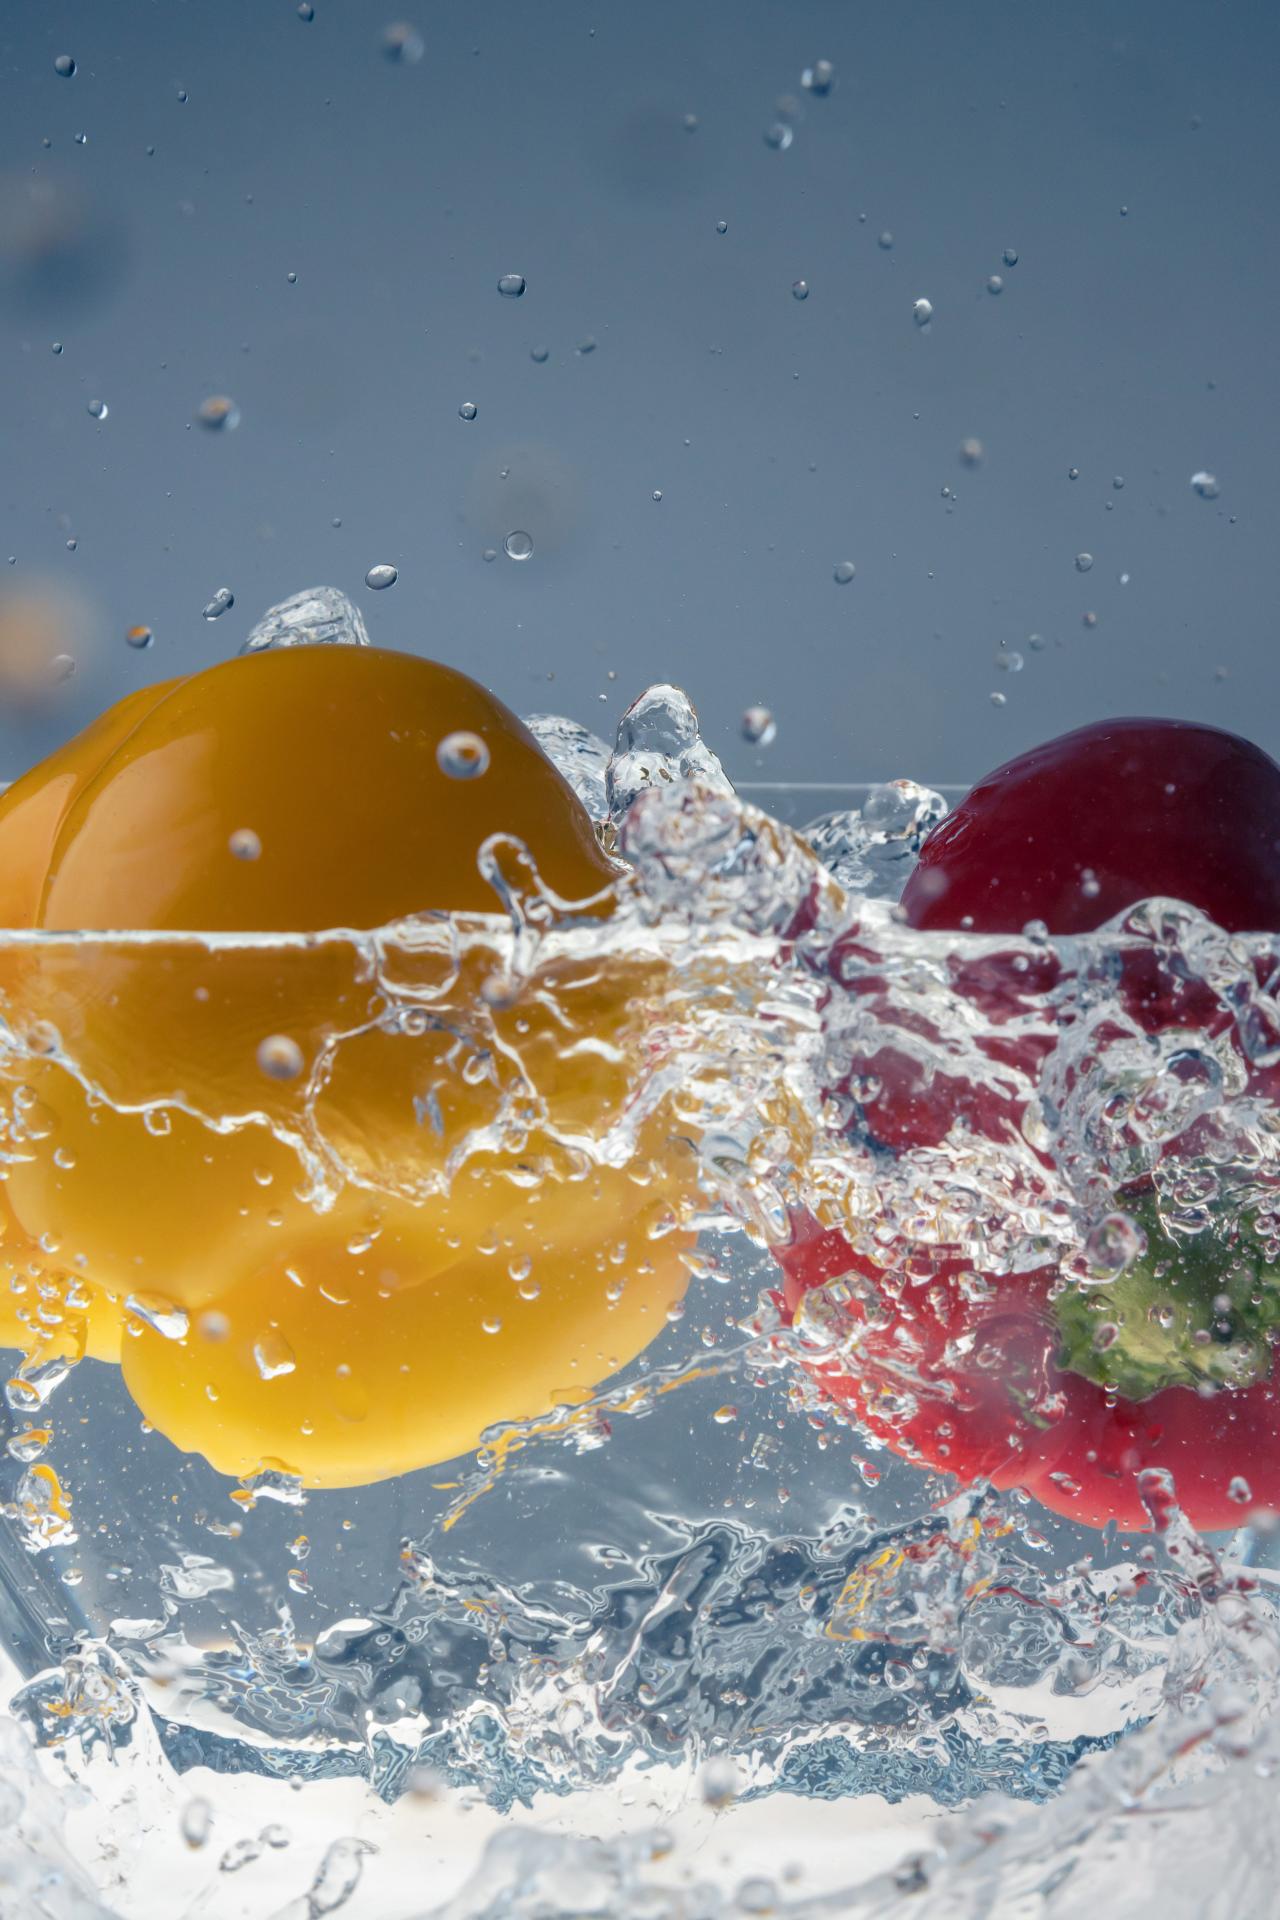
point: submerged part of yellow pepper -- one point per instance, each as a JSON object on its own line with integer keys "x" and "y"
{"x": 312, "y": 1243}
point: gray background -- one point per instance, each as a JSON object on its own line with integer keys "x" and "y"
{"x": 549, "y": 139}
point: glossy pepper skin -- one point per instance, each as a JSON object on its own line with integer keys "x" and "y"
{"x": 999, "y": 1382}
{"x": 386, "y": 1330}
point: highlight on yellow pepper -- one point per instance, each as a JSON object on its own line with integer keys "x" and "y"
{"x": 337, "y": 1205}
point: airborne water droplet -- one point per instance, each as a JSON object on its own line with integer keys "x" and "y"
{"x": 99, "y": 409}
{"x": 219, "y": 413}
{"x": 244, "y": 844}
{"x": 722, "y": 226}
{"x": 922, "y": 312}
{"x": 383, "y": 575}
{"x": 222, "y": 602}
{"x": 843, "y": 572}
{"x": 779, "y": 136}
{"x": 462, "y": 755}
{"x": 1205, "y": 484}
{"x": 819, "y": 78}
{"x": 518, "y": 545}
{"x": 995, "y": 284}
{"x": 759, "y": 727}
{"x": 64, "y": 66}
{"x": 280, "y": 1057}
{"x": 511, "y": 286}
{"x": 800, "y": 290}
{"x": 402, "y": 44}
{"x": 139, "y": 637}
{"x": 1084, "y": 562}
{"x": 468, "y": 410}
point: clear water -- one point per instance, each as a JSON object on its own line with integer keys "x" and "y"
{"x": 678, "y": 1650}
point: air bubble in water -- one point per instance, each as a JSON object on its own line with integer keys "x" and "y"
{"x": 219, "y": 413}
{"x": 468, "y": 410}
{"x": 244, "y": 844}
{"x": 316, "y": 617}
{"x": 922, "y": 312}
{"x": 272, "y": 1355}
{"x": 381, "y": 576}
{"x": 222, "y": 602}
{"x": 518, "y": 545}
{"x": 819, "y": 78}
{"x": 139, "y": 637}
{"x": 779, "y": 136}
{"x": 99, "y": 409}
{"x": 1084, "y": 561}
{"x": 759, "y": 727}
{"x": 64, "y": 66}
{"x": 1205, "y": 484}
{"x": 462, "y": 756}
{"x": 511, "y": 286}
{"x": 402, "y": 44}
{"x": 280, "y": 1057}
{"x": 800, "y": 290}
{"x": 843, "y": 572}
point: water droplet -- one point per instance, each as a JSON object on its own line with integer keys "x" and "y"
{"x": 922, "y": 312}
{"x": 885, "y": 241}
{"x": 305, "y": 10}
{"x": 1117, "y": 481}
{"x": 82, "y": 139}
{"x": 819, "y": 78}
{"x": 64, "y": 66}
{"x": 280, "y": 1057}
{"x": 995, "y": 284}
{"x": 722, "y": 226}
{"x": 759, "y": 727}
{"x": 540, "y": 354}
{"x": 219, "y": 413}
{"x": 222, "y": 602}
{"x": 800, "y": 290}
{"x": 244, "y": 844}
{"x": 196, "y": 1822}
{"x": 779, "y": 136}
{"x": 170, "y": 1322}
{"x": 1009, "y": 661}
{"x": 62, "y": 666}
{"x": 1089, "y": 620}
{"x": 518, "y": 545}
{"x": 139, "y": 637}
{"x": 292, "y": 278}
{"x": 491, "y": 1323}
{"x": 490, "y": 553}
{"x": 56, "y": 346}
{"x": 275, "y": 1836}
{"x": 1073, "y": 473}
{"x": 971, "y": 453}
{"x": 1010, "y": 256}
{"x": 272, "y": 1355}
{"x": 657, "y": 493}
{"x": 381, "y": 576}
{"x": 402, "y": 44}
{"x": 1084, "y": 562}
{"x": 691, "y": 123}
{"x": 511, "y": 286}
{"x": 1240, "y": 1491}
{"x": 72, "y": 544}
{"x": 1205, "y": 484}
{"x": 468, "y": 410}
{"x": 724, "y": 1415}
{"x": 999, "y": 699}
{"x": 462, "y": 755}
{"x": 843, "y": 572}
{"x": 183, "y": 96}
{"x": 584, "y": 347}
{"x": 99, "y": 409}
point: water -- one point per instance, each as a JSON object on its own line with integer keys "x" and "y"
{"x": 696, "y": 1599}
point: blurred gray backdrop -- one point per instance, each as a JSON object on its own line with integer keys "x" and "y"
{"x": 229, "y": 198}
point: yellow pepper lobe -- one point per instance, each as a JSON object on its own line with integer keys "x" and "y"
{"x": 296, "y": 792}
